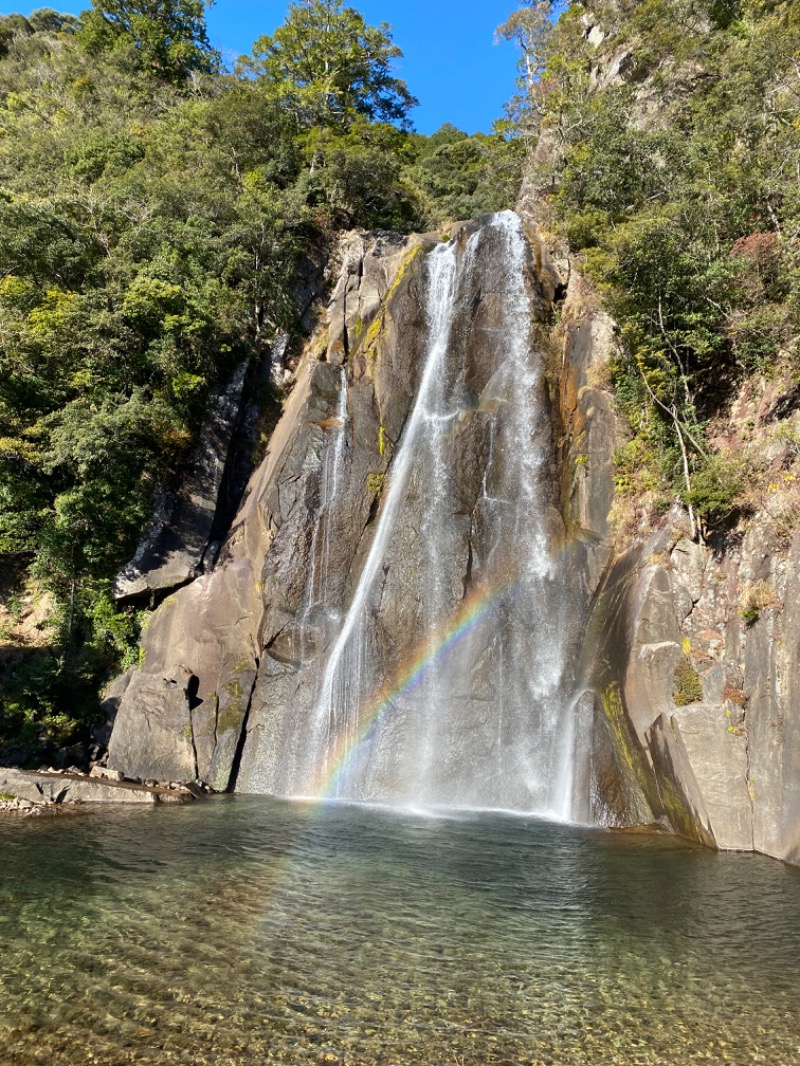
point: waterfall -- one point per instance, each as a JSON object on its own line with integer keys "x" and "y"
{"x": 336, "y": 712}
{"x": 444, "y": 683}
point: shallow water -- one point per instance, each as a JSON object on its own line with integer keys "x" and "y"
{"x": 249, "y": 931}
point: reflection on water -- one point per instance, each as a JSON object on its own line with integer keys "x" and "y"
{"x": 249, "y": 931}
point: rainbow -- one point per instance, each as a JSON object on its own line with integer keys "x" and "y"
{"x": 477, "y": 605}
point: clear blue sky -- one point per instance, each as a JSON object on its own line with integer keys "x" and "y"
{"x": 451, "y": 64}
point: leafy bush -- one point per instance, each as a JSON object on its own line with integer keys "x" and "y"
{"x": 718, "y": 488}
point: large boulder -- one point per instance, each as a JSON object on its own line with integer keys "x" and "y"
{"x": 701, "y": 767}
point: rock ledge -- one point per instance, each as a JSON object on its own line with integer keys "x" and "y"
{"x": 56, "y": 789}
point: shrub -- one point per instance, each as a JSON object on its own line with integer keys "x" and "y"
{"x": 688, "y": 686}
{"x": 755, "y": 599}
{"x": 586, "y": 229}
{"x": 718, "y": 488}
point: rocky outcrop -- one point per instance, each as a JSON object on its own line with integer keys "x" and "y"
{"x": 177, "y": 544}
{"x": 690, "y": 651}
{"x": 711, "y": 695}
{"x": 589, "y": 432}
{"x": 66, "y": 788}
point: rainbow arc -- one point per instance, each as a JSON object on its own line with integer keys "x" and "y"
{"x": 476, "y": 606}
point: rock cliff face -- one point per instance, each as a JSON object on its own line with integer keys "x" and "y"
{"x": 690, "y": 655}
{"x": 182, "y": 715}
{"x": 683, "y": 658}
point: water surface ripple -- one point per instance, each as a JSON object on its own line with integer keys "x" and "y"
{"x": 249, "y": 931}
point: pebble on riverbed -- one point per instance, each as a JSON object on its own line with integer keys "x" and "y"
{"x": 27, "y": 808}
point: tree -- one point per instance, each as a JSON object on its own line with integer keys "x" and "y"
{"x": 328, "y": 67}
{"x": 12, "y": 26}
{"x": 530, "y": 29}
{"x": 169, "y": 35}
{"x": 463, "y": 176}
{"x": 46, "y": 20}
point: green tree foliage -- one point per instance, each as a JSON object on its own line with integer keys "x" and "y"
{"x": 169, "y": 36}
{"x": 326, "y": 66}
{"x": 530, "y": 28}
{"x": 46, "y": 20}
{"x": 465, "y": 175}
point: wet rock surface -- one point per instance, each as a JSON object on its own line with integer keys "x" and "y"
{"x": 232, "y": 664}
{"x": 308, "y": 707}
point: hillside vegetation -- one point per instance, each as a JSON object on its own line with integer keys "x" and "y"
{"x": 153, "y": 212}
{"x": 668, "y": 153}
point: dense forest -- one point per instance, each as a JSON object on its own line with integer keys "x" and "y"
{"x": 155, "y": 207}
{"x": 153, "y": 212}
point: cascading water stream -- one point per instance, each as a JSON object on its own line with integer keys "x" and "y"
{"x": 337, "y": 706}
{"x": 477, "y": 711}
{"x": 532, "y": 657}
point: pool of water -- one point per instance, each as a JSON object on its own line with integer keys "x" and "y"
{"x": 248, "y": 931}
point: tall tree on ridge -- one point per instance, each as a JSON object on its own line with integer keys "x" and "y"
{"x": 530, "y": 29}
{"x": 328, "y": 67}
{"x": 170, "y": 35}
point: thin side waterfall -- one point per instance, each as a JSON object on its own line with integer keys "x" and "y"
{"x": 336, "y": 712}
{"x": 477, "y": 711}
